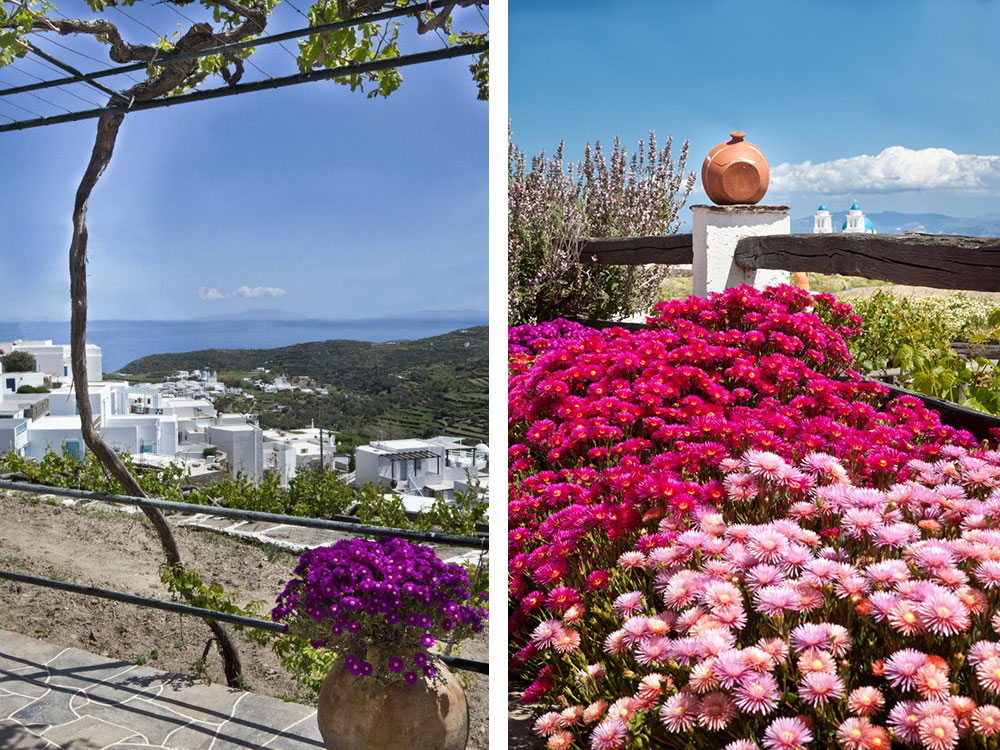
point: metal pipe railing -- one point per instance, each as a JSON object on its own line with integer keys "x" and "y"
{"x": 206, "y": 614}
{"x": 454, "y": 540}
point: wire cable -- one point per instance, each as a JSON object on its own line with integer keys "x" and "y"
{"x": 82, "y": 54}
{"x": 64, "y": 90}
{"x": 36, "y": 96}
{"x": 218, "y": 92}
{"x": 60, "y": 67}
{"x": 169, "y": 57}
{"x": 216, "y": 37}
{"x": 30, "y": 112}
{"x": 293, "y": 7}
{"x": 133, "y": 19}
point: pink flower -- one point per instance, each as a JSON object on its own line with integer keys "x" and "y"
{"x": 902, "y": 666}
{"x": 853, "y": 734}
{"x": 809, "y": 636}
{"x": 567, "y": 641}
{"x": 904, "y": 617}
{"x": 561, "y": 740}
{"x": 865, "y": 701}
{"x": 679, "y": 713}
{"x": 767, "y": 545}
{"x": 943, "y": 613}
{"x": 623, "y": 709}
{"x": 655, "y": 650}
{"x": 650, "y": 688}
{"x": 819, "y": 688}
{"x": 787, "y": 734}
{"x": 764, "y": 464}
{"x": 546, "y": 633}
{"x": 986, "y": 720}
{"x": 988, "y": 672}
{"x": 938, "y": 733}
{"x": 729, "y": 668}
{"x": 983, "y": 650}
{"x": 757, "y": 693}
{"x": 627, "y": 604}
{"x": 904, "y": 720}
{"x": 594, "y": 711}
{"x": 774, "y": 601}
{"x": 548, "y": 723}
{"x": 932, "y": 683}
{"x": 715, "y": 711}
{"x": 608, "y": 735}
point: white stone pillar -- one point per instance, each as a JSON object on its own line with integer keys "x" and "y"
{"x": 715, "y": 232}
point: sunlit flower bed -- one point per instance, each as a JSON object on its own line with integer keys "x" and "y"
{"x": 720, "y": 537}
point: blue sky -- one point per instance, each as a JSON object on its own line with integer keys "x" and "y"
{"x": 817, "y": 85}
{"x": 310, "y": 199}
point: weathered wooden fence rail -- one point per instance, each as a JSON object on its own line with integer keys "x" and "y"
{"x": 938, "y": 261}
{"x": 667, "y": 249}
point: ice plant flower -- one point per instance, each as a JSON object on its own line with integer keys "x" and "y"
{"x": 387, "y": 600}
{"x": 723, "y": 510}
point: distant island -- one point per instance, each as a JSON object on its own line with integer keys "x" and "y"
{"x": 435, "y": 385}
{"x": 463, "y": 316}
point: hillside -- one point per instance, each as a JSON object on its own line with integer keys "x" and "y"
{"x": 377, "y": 390}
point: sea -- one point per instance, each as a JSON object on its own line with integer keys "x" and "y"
{"x": 123, "y": 341}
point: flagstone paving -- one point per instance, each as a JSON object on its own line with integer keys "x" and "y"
{"x": 56, "y": 698}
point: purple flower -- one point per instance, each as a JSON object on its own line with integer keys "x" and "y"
{"x": 392, "y": 591}
{"x": 410, "y": 678}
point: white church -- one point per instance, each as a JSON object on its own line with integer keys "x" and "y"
{"x": 856, "y": 221}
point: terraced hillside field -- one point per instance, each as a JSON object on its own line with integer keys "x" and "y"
{"x": 431, "y": 386}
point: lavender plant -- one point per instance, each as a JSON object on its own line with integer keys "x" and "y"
{"x": 381, "y": 605}
{"x": 553, "y": 206}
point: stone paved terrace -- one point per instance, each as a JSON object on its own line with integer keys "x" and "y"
{"x": 57, "y": 698}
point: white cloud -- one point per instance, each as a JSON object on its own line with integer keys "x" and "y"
{"x": 896, "y": 169}
{"x": 248, "y": 292}
{"x": 258, "y": 291}
{"x": 210, "y": 293}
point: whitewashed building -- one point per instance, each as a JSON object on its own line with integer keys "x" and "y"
{"x": 54, "y": 359}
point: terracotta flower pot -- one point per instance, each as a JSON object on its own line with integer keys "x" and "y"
{"x": 358, "y": 713}
{"x": 735, "y": 172}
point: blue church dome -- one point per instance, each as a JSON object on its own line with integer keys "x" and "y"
{"x": 855, "y": 207}
{"x": 822, "y": 207}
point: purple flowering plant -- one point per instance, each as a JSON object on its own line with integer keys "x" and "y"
{"x": 382, "y": 605}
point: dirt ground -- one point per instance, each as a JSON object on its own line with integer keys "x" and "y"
{"x": 900, "y": 290}
{"x": 113, "y": 550}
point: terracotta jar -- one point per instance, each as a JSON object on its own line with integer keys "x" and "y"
{"x": 735, "y": 172}
{"x": 358, "y": 713}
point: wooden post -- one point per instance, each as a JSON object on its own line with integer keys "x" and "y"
{"x": 716, "y": 232}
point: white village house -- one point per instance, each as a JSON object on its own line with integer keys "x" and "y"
{"x": 177, "y": 422}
